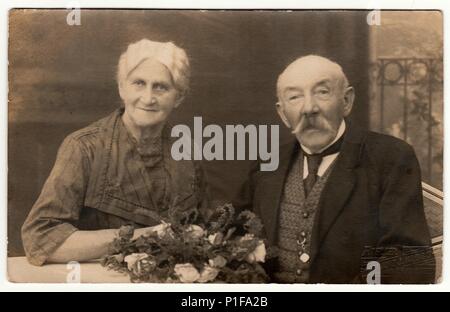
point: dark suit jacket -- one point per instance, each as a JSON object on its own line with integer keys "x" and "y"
{"x": 373, "y": 197}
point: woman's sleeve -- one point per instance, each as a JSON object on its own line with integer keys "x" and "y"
{"x": 202, "y": 191}
{"x": 53, "y": 217}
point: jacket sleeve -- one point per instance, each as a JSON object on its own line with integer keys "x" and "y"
{"x": 52, "y": 217}
{"x": 245, "y": 195}
{"x": 408, "y": 257}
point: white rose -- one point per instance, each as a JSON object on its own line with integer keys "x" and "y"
{"x": 215, "y": 239}
{"x": 247, "y": 237}
{"x": 161, "y": 229}
{"x": 186, "y": 272}
{"x": 208, "y": 274}
{"x": 133, "y": 258}
{"x": 211, "y": 238}
{"x": 218, "y": 262}
{"x": 195, "y": 231}
{"x": 257, "y": 255}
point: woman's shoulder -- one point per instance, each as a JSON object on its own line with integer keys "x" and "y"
{"x": 94, "y": 134}
{"x": 97, "y": 126}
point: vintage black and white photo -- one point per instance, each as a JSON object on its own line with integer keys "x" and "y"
{"x": 225, "y": 146}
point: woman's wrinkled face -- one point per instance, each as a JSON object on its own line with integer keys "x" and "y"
{"x": 149, "y": 94}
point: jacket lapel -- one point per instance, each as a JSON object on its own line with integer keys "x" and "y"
{"x": 338, "y": 188}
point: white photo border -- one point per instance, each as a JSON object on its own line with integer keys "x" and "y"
{"x": 5, "y": 5}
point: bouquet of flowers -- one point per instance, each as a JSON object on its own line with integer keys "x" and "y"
{"x": 226, "y": 250}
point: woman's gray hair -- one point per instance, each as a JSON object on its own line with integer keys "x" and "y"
{"x": 167, "y": 53}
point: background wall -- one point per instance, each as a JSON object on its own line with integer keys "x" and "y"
{"x": 61, "y": 78}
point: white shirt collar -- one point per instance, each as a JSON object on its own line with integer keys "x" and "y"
{"x": 340, "y": 132}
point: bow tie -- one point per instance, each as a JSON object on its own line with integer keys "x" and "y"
{"x": 314, "y": 161}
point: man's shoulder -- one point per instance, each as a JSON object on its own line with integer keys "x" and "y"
{"x": 386, "y": 145}
{"x": 385, "y": 152}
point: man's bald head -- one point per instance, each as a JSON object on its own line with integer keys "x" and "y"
{"x": 313, "y": 99}
{"x": 309, "y": 65}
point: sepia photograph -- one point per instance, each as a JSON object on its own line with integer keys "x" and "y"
{"x": 225, "y": 146}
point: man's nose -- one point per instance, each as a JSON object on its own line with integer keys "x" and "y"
{"x": 309, "y": 105}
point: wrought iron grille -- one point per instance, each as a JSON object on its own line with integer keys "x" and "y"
{"x": 417, "y": 81}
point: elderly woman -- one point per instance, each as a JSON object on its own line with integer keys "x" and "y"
{"x": 118, "y": 170}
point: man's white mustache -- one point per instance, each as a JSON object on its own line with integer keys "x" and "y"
{"x": 297, "y": 128}
{"x": 304, "y": 123}
{"x": 301, "y": 125}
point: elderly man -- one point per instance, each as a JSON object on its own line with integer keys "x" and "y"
{"x": 338, "y": 190}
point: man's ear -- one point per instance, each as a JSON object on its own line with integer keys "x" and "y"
{"x": 349, "y": 97}
{"x": 280, "y": 112}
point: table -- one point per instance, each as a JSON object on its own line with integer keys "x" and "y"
{"x": 21, "y": 271}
